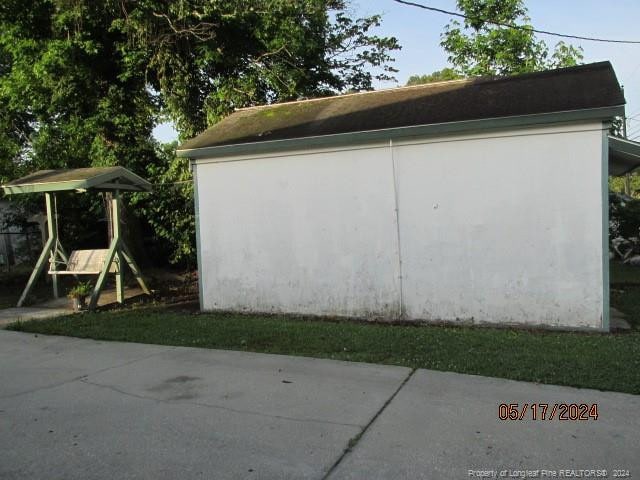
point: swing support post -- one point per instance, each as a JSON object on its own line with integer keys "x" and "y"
{"x": 52, "y": 224}
{"x": 52, "y": 249}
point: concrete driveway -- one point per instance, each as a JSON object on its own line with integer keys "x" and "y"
{"x": 80, "y": 409}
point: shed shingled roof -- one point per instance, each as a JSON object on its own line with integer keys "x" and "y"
{"x": 568, "y": 89}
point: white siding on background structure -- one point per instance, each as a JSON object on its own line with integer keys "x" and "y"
{"x": 503, "y": 227}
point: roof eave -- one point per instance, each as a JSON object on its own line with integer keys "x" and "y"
{"x": 45, "y": 187}
{"x": 107, "y": 181}
{"x": 466, "y": 126}
{"x": 110, "y": 180}
{"x": 624, "y": 156}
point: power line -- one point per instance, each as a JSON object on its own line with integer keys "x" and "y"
{"x": 633, "y": 134}
{"x": 633, "y": 131}
{"x": 173, "y": 183}
{"x": 517, "y": 27}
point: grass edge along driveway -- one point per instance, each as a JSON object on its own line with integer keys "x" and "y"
{"x": 584, "y": 360}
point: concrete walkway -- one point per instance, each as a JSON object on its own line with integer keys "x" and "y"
{"x": 61, "y": 306}
{"x": 81, "y": 409}
{"x": 23, "y": 314}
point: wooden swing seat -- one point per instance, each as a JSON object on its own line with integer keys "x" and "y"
{"x": 85, "y": 262}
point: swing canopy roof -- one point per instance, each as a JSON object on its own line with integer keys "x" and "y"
{"x": 78, "y": 179}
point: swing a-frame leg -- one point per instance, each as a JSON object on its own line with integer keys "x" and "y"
{"x": 42, "y": 261}
{"x": 52, "y": 251}
{"x": 134, "y": 269}
{"x": 119, "y": 253}
{"x": 95, "y": 295}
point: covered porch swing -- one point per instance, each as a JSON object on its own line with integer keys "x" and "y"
{"x": 99, "y": 262}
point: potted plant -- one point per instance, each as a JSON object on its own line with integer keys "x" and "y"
{"x": 79, "y": 294}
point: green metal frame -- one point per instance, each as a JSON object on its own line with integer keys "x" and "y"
{"x": 54, "y": 252}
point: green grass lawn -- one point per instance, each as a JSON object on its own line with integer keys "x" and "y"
{"x": 606, "y": 362}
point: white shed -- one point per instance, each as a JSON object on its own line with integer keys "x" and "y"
{"x": 479, "y": 200}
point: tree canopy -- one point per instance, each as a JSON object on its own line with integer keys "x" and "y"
{"x": 437, "y": 76}
{"x": 88, "y": 80}
{"x": 477, "y": 47}
{"x": 84, "y": 82}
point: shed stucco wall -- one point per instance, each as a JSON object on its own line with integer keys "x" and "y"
{"x": 310, "y": 234}
{"x": 503, "y": 228}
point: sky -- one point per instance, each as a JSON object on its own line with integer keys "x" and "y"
{"x": 418, "y": 32}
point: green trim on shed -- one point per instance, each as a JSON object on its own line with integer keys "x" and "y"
{"x": 605, "y": 229}
{"x": 194, "y": 170}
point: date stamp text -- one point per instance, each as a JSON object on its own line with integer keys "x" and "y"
{"x": 548, "y": 411}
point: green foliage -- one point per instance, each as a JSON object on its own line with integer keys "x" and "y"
{"x": 169, "y": 209}
{"x": 65, "y": 81}
{"x": 624, "y": 217}
{"x": 617, "y": 184}
{"x": 437, "y": 76}
{"x": 80, "y": 290}
{"x": 476, "y": 47}
{"x": 82, "y": 83}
